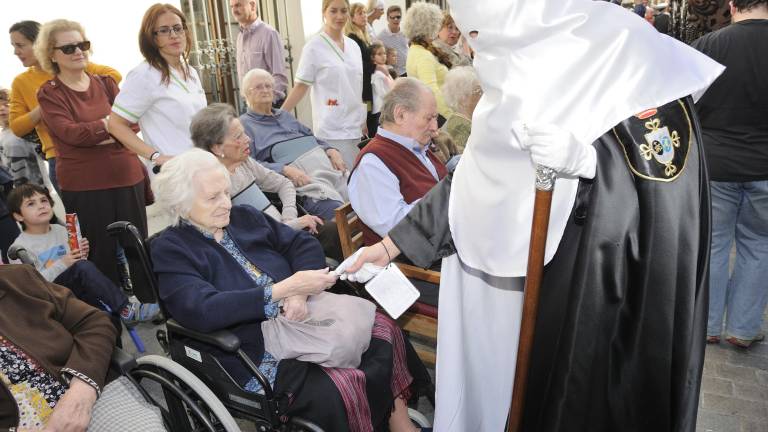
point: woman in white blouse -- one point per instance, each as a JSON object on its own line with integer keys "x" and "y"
{"x": 332, "y": 65}
{"x": 162, "y": 93}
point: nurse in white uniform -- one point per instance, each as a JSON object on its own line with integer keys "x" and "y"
{"x": 162, "y": 93}
{"x": 332, "y": 66}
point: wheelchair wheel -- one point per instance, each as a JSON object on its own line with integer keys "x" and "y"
{"x": 189, "y": 403}
{"x": 418, "y": 418}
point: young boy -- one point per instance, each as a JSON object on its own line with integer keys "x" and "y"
{"x": 32, "y": 206}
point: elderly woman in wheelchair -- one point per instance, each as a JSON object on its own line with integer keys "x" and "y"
{"x": 286, "y": 146}
{"x": 224, "y": 267}
{"x": 216, "y": 129}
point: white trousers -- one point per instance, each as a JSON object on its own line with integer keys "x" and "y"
{"x": 477, "y": 338}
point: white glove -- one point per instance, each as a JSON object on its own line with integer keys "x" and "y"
{"x": 366, "y": 272}
{"x": 556, "y": 148}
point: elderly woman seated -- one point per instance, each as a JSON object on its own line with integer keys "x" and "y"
{"x": 318, "y": 174}
{"x": 54, "y": 357}
{"x": 462, "y": 92}
{"x": 216, "y": 129}
{"x": 224, "y": 267}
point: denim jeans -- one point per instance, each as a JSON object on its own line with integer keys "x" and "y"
{"x": 740, "y": 214}
{"x": 322, "y": 208}
{"x": 90, "y": 285}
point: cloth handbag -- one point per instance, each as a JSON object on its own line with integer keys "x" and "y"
{"x": 335, "y": 333}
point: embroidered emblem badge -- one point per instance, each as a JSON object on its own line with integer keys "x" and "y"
{"x": 661, "y": 145}
{"x": 657, "y": 141}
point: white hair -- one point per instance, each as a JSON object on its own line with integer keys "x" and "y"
{"x": 407, "y": 93}
{"x": 174, "y": 186}
{"x": 250, "y": 76}
{"x": 423, "y": 20}
{"x": 459, "y": 85}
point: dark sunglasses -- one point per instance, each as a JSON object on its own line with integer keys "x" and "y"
{"x": 396, "y": 17}
{"x": 70, "y": 49}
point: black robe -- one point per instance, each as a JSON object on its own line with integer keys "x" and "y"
{"x": 620, "y": 332}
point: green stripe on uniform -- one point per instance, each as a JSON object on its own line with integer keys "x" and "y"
{"x": 124, "y": 111}
{"x": 178, "y": 81}
{"x": 333, "y": 46}
{"x": 305, "y": 81}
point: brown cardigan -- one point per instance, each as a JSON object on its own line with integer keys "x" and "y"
{"x": 54, "y": 328}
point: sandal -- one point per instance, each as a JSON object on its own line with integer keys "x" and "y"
{"x": 713, "y": 340}
{"x": 744, "y": 343}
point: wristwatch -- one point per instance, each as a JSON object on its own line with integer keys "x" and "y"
{"x": 153, "y": 157}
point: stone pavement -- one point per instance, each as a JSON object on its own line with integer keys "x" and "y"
{"x": 734, "y": 388}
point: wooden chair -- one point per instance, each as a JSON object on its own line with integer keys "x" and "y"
{"x": 421, "y": 318}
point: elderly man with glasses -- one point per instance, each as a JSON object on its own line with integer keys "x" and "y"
{"x": 392, "y": 37}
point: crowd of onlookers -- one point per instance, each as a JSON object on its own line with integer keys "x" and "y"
{"x": 392, "y": 114}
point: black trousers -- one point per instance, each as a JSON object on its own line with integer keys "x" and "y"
{"x": 90, "y": 285}
{"x": 98, "y": 208}
{"x": 8, "y": 233}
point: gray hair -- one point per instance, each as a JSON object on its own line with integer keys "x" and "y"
{"x": 459, "y": 85}
{"x": 249, "y": 76}
{"x": 174, "y": 186}
{"x": 407, "y": 93}
{"x": 422, "y": 20}
{"x": 210, "y": 125}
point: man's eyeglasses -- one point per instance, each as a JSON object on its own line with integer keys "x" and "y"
{"x": 70, "y": 48}
{"x": 396, "y": 17}
{"x": 166, "y": 31}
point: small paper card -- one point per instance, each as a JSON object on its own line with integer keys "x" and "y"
{"x": 393, "y": 291}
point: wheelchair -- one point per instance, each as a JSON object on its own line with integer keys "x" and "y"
{"x": 187, "y": 404}
{"x": 260, "y": 409}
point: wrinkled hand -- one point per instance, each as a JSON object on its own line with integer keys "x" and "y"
{"x": 556, "y": 148}
{"x": 295, "y": 308}
{"x": 296, "y": 176}
{"x": 336, "y": 160}
{"x": 309, "y": 282}
{"x": 73, "y": 411}
{"x": 310, "y": 223}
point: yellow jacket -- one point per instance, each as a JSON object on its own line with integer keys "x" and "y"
{"x": 422, "y": 65}
{"x": 24, "y": 99}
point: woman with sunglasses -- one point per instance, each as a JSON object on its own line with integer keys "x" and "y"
{"x": 163, "y": 92}
{"x": 24, "y": 113}
{"x": 100, "y": 180}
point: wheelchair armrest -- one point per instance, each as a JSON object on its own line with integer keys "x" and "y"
{"x": 122, "y": 361}
{"x": 222, "y": 339}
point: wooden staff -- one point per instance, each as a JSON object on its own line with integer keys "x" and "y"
{"x": 545, "y": 184}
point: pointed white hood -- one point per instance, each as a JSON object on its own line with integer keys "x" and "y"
{"x": 579, "y": 64}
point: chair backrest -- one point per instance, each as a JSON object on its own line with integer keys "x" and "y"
{"x": 350, "y": 229}
{"x": 287, "y": 151}
{"x": 252, "y": 196}
{"x": 137, "y": 252}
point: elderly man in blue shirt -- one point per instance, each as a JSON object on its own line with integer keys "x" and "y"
{"x": 318, "y": 171}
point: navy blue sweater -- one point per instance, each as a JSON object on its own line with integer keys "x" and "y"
{"x": 205, "y": 289}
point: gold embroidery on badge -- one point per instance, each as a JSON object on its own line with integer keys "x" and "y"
{"x": 676, "y": 142}
{"x": 661, "y": 145}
